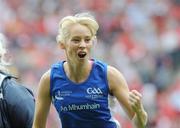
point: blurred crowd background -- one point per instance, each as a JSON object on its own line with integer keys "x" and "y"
{"x": 139, "y": 37}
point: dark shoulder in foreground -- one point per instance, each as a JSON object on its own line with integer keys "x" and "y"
{"x": 20, "y": 103}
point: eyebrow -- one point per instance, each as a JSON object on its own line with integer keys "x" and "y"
{"x": 80, "y": 37}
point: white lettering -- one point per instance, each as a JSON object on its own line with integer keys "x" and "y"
{"x": 64, "y": 108}
{"x": 74, "y": 107}
{"x": 94, "y": 91}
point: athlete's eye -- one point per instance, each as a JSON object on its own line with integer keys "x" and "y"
{"x": 76, "y": 40}
{"x": 87, "y": 40}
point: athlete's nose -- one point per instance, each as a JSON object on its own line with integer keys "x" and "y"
{"x": 82, "y": 44}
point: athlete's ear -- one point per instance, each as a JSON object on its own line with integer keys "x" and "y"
{"x": 61, "y": 45}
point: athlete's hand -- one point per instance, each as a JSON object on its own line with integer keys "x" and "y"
{"x": 140, "y": 118}
{"x": 135, "y": 101}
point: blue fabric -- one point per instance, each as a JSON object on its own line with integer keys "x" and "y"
{"x": 82, "y": 105}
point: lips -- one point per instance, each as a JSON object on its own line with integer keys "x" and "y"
{"x": 81, "y": 54}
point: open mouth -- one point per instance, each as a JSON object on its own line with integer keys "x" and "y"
{"x": 82, "y": 54}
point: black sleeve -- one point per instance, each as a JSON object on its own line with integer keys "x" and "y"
{"x": 21, "y": 105}
{"x": 24, "y": 112}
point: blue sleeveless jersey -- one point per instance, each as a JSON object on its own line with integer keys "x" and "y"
{"x": 82, "y": 105}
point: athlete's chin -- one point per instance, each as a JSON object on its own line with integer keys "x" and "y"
{"x": 83, "y": 59}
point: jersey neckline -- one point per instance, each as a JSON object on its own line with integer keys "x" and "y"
{"x": 81, "y": 83}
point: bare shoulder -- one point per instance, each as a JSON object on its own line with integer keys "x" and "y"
{"x": 44, "y": 84}
{"x": 112, "y": 71}
{"x": 115, "y": 79}
{"x": 46, "y": 76}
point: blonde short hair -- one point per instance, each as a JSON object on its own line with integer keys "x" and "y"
{"x": 81, "y": 18}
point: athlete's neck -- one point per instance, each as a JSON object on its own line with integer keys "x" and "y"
{"x": 78, "y": 72}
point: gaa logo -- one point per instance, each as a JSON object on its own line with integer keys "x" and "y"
{"x": 94, "y": 91}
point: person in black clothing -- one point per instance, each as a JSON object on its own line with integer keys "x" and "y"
{"x": 16, "y": 101}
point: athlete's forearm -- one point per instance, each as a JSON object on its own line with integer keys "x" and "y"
{"x": 140, "y": 119}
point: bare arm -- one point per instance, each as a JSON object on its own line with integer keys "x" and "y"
{"x": 130, "y": 101}
{"x": 43, "y": 102}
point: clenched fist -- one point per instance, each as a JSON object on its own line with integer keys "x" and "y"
{"x": 136, "y": 104}
{"x": 135, "y": 100}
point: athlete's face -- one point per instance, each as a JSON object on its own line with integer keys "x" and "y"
{"x": 79, "y": 43}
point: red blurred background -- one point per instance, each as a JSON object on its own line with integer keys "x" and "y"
{"x": 142, "y": 38}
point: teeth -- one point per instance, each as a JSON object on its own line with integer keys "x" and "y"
{"x": 82, "y": 54}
